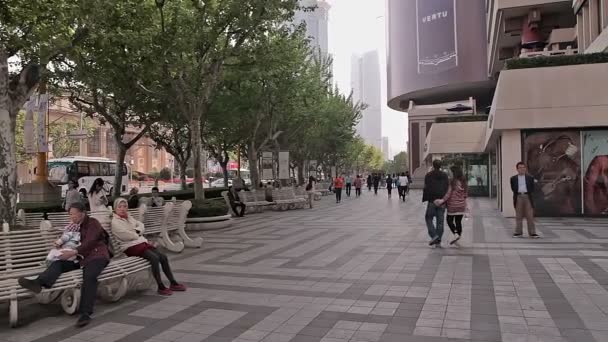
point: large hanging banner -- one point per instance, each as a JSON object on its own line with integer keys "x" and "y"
{"x": 267, "y": 165}
{"x": 43, "y": 105}
{"x": 29, "y": 141}
{"x": 554, "y": 160}
{"x": 436, "y": 33}
{"x": 595, "y": 172}
{"x": 284, "y": 165}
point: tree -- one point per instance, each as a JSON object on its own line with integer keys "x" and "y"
{"x": 32, "y": 33}
{"x": 401, "y": 162}
{"x": 165, "y": 174}
{"x": 105, "y": 74}
{"x": 172, "y": 135}
{"x": 198, "y": 39}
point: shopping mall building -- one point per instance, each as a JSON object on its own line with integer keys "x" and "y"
{"x": 489, "y": 83}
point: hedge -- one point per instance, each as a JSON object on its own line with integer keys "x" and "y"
{"x": 208, "y": 208}
{"x": 551, "y": 61}
{"x": 463, "y": 118}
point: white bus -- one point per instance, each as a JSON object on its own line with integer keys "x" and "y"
{"x": 84, "y": 171}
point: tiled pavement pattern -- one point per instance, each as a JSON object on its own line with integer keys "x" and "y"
{"x": 361, "y": 271}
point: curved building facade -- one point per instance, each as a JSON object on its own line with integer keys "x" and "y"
{"x": 437, "y": 52}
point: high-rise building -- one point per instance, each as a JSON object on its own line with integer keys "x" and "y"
{"x": 315, "y": 14}
{"x": 385, "y": 148}
{"x": 365, "y": 82}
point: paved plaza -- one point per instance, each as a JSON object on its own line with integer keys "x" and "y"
{"x": 362, "y": 271}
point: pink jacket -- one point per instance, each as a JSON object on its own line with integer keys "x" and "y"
{"x": 456, "y": 199}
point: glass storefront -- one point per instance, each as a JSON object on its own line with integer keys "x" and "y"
{"x": 476, "y": 169}
{"x": 571, "y": 170}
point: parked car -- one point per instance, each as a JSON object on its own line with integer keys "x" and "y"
{"x": 219, "y": 183}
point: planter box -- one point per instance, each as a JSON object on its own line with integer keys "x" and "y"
{"x": 208, "y": 223}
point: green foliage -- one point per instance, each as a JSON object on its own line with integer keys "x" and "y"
{"x": 398, "y": 165}
{"x": 462, "y": 118}
{"x": 105, "y": 73}
{"x": 208, "y": 208}
{"x": 197, "y": 39}
{"x": 541, "y": 62}
{"x": 165, "y": 173}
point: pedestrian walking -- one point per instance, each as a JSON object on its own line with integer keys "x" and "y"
{"x": 403, "y": 182}
{"x": 522, "y": 186}
{"x": 389, "y": 185}
{"x": 358, "y": 183}
{"x": 369, "y": 182}
{"x": 456, "y": 202}
{"x": 376, "y": 180}
{"x": 436, "y": 186}
{"x": 72, "y": 195}
{"x": 349, "y": 184}
{"x": 338, "y": 185}
{"x": 310, "y": 190}
{"x": 98, "y": 200}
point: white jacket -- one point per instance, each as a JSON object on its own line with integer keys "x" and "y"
{"x": 129, "y": 232}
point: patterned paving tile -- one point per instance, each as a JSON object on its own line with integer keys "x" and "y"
{"x": 362, "y": 271}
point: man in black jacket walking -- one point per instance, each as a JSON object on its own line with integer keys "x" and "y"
{"x": 436, "y": 185}
{"x": 522, "y": 185}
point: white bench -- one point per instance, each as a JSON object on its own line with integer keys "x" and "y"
{"x": 286, "y": 199}
{"x": 255, "y": 201}
{"x": 176, "y": 223}
{"x": 31, "y": 220}
{"x": 323, "y": 188}
{"x": 23, "y": 253}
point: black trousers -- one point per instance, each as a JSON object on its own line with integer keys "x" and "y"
{"x": 238, "y": 208}
{"x": 455, "y": 223}
{"x": 338, "y": 194}
{"x": 369, "y": 187}
{"x": 90, "y": 273}
{"x": 357, "y": 192}
{"x": 348, "y": 189}
{"x": 375, "y": 189}
{"x": 390, "y": 191}
{"x": 158, "y": 259}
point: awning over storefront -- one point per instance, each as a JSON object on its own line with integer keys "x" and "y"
{"x": 549, "y": 97}
{"x": 455, "y": 137}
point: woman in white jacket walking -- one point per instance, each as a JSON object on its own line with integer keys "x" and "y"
{"x": 129, "y": 232}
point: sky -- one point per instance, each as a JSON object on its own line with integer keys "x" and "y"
{"x": 357, "y": 26}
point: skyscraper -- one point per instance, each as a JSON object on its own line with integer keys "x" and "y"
{"x": 316, "y": 23}
{"x": 365, "y": 82}
{"x": 385, "y": 148}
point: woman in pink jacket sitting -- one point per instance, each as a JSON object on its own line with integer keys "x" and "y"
{"x": 129, "y": 232}
{"x": 456, "y": 201}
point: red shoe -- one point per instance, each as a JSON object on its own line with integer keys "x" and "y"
{"x": 178, "y": 287}
{"x": 165, "y": 292}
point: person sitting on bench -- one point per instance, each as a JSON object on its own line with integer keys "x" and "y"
{"x": 238, "y": 207}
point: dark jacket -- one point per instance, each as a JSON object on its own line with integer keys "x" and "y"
{"x": 436, "y": 184}
{"x": 529, "y": 187}
{"x": 94, "y": 241}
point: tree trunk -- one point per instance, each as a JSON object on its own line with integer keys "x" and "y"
{"x": 8, "y": 161}
{"x": 252, "y": 155}
{"x": 183, "y": 165}
{"x": 301, "y": 172}
{"x": 197, "y": 151}
{"x": 224, "y": 165}
{"x": 120, "y": 161}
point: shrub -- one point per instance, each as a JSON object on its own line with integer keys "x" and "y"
{"x": 165, "y": 173}
{"x": 541, "y": 62}
{"x": 208, "y": 208}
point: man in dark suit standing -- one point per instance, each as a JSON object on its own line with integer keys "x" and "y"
{"x": 522, "y": 186}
